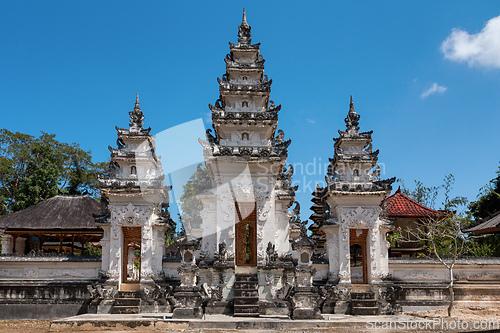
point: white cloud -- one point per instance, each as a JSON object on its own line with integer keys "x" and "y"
{"x": 434, "y": 89}
{"x": 481, "y": 49}
{"x": 311, "y": 121}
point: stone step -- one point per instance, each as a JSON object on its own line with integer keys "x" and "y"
{"x": 247, "y": 294}
{"x": 127, "y": 301}
{"x": 364, "y": 303}
{"x": 363, "y": 295}
{"x": 246, "y": 277}
{"x": 364, "y": 311}
{"x": 247, "y": 301}
{"x": 246, "y": 309}
{"x": 125, "y": 310}
{"x": 246, "y": 285}
{"x": 250, "y": 314}
{"x": 127, "y": 294}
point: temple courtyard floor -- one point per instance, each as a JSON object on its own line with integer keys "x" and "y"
{"x": 463, "y": 319}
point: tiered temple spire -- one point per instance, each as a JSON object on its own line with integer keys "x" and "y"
{"x": 319, "y": 208}
{"x": 244, "y": 102}
{"x": 354, "y": 165}
{"x": 134, "y": 166}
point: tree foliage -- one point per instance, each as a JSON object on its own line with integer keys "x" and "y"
{"x": 488, "y": 201}
{"x": 33, "y": 169}
{"x": 191, "y": 206}
{"x": 427, "y": 196}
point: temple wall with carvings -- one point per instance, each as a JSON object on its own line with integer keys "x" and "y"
{"x": 466, "y": 271}
{"x": 48, "y": 268}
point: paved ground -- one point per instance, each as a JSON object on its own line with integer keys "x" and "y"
{"x": 224, "y": 323}
{"x": 465, "y": 319}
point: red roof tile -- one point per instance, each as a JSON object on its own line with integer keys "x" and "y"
{"x": 400, "y": 205}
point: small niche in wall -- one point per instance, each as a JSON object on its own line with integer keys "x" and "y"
{"x": 244, "y": 104}
{"x": 188, "y": 257}
{"x": 245, "y": 136}
{"x": 304, "y": 258}
{"x": 133, "y": 170}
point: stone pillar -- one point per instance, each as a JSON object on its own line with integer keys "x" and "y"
{"x": 158, "y": 249}
{"x": 20, "y": 245}
{"x": 105, "y": 244}
{"x": 115, "y": 254}
{"x": 147, "y": 255}
{"x": 7, "y": 244}
{"x": 332, "y": 251}
{"x": 344, "y": 257}
{"x": 305, "y": 298}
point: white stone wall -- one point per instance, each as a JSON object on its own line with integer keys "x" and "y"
{"x": 426, "y": 271}
{"x": 51, "y": 269}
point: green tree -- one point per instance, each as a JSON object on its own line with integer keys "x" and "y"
{"x": 444, "y": 240}
{"x": 442, "y": 236}
{"x": 488, "y": 201}
{"x": 427, "y": 195}
{"x": 33, "y": 169}
{"x": 191, "y": 206}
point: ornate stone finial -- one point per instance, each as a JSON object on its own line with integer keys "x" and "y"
{"x": 352, "y": 119}
{"x": 244, "y": 21}
{"x": 136, "y": 116}
{"x": 244, "y": 34}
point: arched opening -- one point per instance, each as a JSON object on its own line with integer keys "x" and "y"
{"x": 244, "y": 104}
{"x": 188, "y": 257}
{"x": 357, "y": 250}
{"x": 245, "y": 136}
{"x": 131, "y": 255}
{"x": 355, "y": 173}
{"x": 304, "y": 258}
{"x": 246, "y": 234}
{"x": 133, "y": 170}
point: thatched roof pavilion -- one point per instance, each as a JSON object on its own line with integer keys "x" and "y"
{"x": 62, "y": 223}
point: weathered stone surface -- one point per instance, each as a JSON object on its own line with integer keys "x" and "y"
{"x": 309, "y": 313}
{"x": 187, "y": 313}
{"x": 274, "y": 308}
{"x": 219, "y": 307}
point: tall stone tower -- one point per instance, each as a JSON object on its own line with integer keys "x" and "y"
{"x": 245, "y": 215}
{"x": 355, "y": 234}
{"x": 133, "y": 241}
{"x": 247, "y": 161}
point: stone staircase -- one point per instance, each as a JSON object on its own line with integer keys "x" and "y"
{"x": 246, "y": 295}
{"x": 364, "y": 303}
{"x": 127, "y": 302}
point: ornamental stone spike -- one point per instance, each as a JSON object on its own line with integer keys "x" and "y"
{"x": 136, "y": 116}
{"x": 244, "y": 31}
{"x": 352, "y": 119}
{"x": 244, "y": 21}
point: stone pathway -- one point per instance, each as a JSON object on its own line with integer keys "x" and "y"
{"x": 227, "y": 323}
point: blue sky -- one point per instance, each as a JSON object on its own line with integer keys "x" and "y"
{"x": 73, "y": 68}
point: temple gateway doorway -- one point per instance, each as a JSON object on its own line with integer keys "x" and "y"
{"x": 131, "y": 273}
{"x": 246, "y": 233}
{"x": 357, "y": 250}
